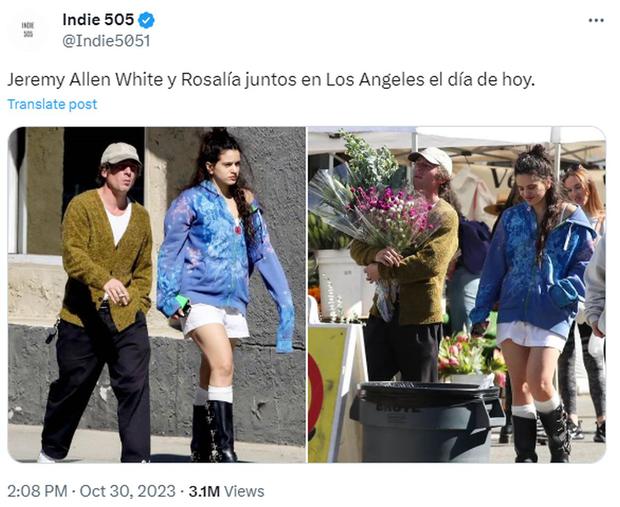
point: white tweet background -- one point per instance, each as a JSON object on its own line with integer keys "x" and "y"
{"x": 575, "y": 70}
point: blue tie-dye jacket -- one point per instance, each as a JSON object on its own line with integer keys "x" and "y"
{"x": 544, "y": 294}
{"x": 204, "y": 257}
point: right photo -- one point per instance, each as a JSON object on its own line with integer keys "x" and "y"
{"x": 456, "y": 294}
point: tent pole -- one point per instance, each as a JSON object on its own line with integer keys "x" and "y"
{"x": 556, "y": 139}
{"x": 414, "y": 147}
{"x": 557, "y": 161}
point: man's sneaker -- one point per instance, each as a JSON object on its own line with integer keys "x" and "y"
{"x": 576, "y": 433}
{"x": 599, "y": 436}
{"x": 44, "y": 458}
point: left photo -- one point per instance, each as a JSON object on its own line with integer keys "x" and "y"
{"x": 156, "y": 294}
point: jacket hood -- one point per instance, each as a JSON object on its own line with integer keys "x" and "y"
{"x": 579, "y": 219}
{"x": 210, "y": 186}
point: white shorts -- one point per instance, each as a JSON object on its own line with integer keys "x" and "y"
{"x": 232, "y": 319}
{"x": 528, "y": 335}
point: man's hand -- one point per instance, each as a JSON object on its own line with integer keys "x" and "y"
{"x": 117, "y": 292}
{"x": 596, "y": 330}
{"x": 372, "y": 272}
{"x": 388, "y": 257}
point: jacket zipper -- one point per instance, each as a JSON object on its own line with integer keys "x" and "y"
{"x": 234, "y": 257}
{"x": 532, "y": 273}
{"x": 529, "y": 289}
{"x": 235, "y": 249}
{"x": 533, "y": 270}
{"x": 230, "y": 284}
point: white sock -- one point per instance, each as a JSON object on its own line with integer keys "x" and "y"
{"x": 221, "y": 393}
{"x": 525, "y": 411}
{"x": 202, "y": 396}
{"x": 544, "y": 407}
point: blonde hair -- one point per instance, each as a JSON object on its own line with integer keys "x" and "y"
{"x": 594, "y": 204}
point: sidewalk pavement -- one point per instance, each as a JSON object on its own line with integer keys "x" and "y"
{"x": 583, "y": 451}
{"x": 93, "y": 446}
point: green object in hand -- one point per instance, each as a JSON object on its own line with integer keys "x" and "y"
{"x": 183, "y": 303}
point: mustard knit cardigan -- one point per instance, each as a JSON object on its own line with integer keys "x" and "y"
{"x": 91, "y": 260}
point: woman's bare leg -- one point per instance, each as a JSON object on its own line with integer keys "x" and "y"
{"x": 216, "y": 355}
{"x": 517, "y": 359}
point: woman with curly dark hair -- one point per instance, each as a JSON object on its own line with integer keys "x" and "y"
{"x": 214, "y": 237}
{"x": 535, "y": 269}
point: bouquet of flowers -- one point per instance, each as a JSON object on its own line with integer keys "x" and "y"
{"x": 465, "y": 354}
{"x": 366, "y": 208}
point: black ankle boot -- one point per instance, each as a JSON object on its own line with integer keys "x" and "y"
{"x": 201, "y": 435}
{"x": 506, "y": 430}
{"x": 541, "y": 434}
{"x": 220, "y": 417}
{"x": 524, "y": 436}
{"x": 556, "y": 427}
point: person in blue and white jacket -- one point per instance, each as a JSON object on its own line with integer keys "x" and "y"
{"x": 535, "y": 271}
{"x": 215, "y": 236}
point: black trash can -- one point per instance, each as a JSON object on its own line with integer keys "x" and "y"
{"x": 418, "y": 422}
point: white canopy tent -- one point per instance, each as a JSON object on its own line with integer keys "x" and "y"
{"x": 585, "y": 145}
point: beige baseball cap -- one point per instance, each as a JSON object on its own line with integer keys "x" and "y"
{"x": 117, "y": 152}
{"x": 434, "y": 156}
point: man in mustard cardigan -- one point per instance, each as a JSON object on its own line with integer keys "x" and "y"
{"x": 409, "y": 343}
{"x": 107, "y": 256}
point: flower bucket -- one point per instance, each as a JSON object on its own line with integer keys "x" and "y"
{"x": 482, "y": 380}
{"x": 348, "y": 281}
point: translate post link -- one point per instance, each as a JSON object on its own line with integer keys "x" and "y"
{"x": 52, "y": 104}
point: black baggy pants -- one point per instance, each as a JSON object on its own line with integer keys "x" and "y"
{"x": 81, "y": 354}
{"x": 410, "y": 349}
